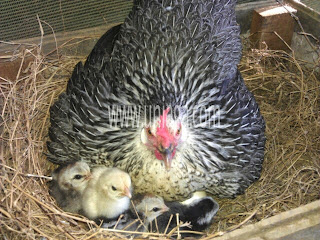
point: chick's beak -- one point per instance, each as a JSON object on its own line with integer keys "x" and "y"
{"x": 127, "y": 192}
{"x": 165, "y": 209}
{"x": 88, "y": 177}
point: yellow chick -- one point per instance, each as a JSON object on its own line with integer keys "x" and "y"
{"x": 108, "y": 194}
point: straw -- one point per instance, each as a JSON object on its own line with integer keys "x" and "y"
{"x": 286, "y": 88}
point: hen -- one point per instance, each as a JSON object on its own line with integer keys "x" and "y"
{"x": 161, "y": 97}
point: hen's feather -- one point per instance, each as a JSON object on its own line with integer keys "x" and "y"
{"x": 170, "y": 53}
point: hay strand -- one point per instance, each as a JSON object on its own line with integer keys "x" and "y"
{"x": 288, "y": 93}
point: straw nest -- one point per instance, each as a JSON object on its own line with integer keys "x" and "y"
{"x": 287, "y": 91}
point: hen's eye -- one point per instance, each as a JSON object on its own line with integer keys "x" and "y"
{"x": 149, "y": 131}
{"x": 77, "y": 176}
{"x": 178, "y": 131}
{"x": 114, "y": 188}
{"x": 155, "y": 209}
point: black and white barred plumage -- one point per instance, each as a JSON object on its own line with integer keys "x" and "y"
{"x": 168, "y": 53}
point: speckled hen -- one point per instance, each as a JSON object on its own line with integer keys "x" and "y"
{"x": 160, "y": 97}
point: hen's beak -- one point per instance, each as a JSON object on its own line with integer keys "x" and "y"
{"x": 126, "y": 192}
{"x": 167, "y": 155}
{"x": 167, "y": 161}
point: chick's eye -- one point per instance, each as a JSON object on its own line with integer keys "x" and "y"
{"x": 155, "y": 209}
{"x": 113, "y": 188}
{"x": 179, "y": 131}
{"x": 77, "y": 176}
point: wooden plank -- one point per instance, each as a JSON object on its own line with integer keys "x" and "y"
{"x": 286, "y": 225}
{"x": 305, "y": 9}
{"x": 272, "y": 26}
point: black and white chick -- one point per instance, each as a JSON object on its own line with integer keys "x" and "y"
{"x": 198, "y": 213}
{"x": 68, "y": 184}
{"x": 107, "y": 194}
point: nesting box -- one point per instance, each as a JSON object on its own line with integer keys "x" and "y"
{"x": 272, "y": 26}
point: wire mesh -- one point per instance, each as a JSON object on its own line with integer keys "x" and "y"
{"x": 18, "y": 19}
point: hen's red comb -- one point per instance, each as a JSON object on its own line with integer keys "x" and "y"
{"x": 163, "y": 118}
{"x": 163, "y": 131}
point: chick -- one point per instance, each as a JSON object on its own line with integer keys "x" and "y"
{"x": 107, "y": 195}
{"x": 68, "y": 183}
{"x": 199, "y": 213}
{"x": 150, "y": 208}
{"x": 145, "y": 210}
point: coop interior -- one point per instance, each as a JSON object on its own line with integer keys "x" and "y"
{"x": 42, "y": 41}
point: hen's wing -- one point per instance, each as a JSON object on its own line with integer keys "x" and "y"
{"x": 72, "y": 134}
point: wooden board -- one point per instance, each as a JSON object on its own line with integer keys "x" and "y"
{"x": 272, "y": 27}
